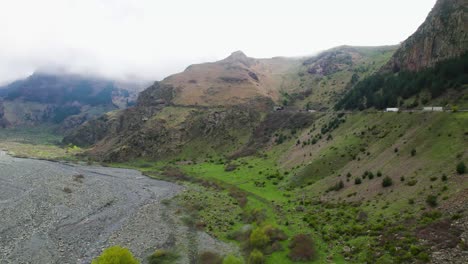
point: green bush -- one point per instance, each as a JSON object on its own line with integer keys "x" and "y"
{"x": 444, "y": 177}
{"x": 387, "y": 181}
{"x": 461, "y": 167}
{"x": 413, "y": 152}
{"x": 256, "y": 257}
{"x": 258, "y": 238}
{"x": 115, "y": 255}
{"x": 357, "y": 180}
{"x": 431, "y": 200}
{"x": 230, "y": 259}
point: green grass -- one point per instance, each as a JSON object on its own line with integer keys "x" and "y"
{"x": 41, "y": 142}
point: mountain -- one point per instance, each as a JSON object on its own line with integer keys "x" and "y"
{"x": 65, "y": 99}
{"x": 429, "y": 67}
{"x": 220, "y": 104}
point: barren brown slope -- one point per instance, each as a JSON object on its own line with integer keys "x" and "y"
{"x": 234, "y": 80}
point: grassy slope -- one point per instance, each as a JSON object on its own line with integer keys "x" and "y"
{"x": 36, "y": 142}
{"x": 325, "y": 89}
{"x": 439, "y": 140}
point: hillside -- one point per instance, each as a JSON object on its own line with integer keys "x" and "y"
{"x": 64, "y": 99}
{"x": 225, "y": 100}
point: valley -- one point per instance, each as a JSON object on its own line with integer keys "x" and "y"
{"x": 355, "y": 154}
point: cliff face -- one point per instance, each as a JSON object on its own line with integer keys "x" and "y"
{"x": 443, "y": 35}
{"x": 3, "y": 121}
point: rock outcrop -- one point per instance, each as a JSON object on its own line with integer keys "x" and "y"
{"x": 443, "y": 35}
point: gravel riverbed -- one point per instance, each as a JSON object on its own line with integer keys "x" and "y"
{"x": 51, "y": 215}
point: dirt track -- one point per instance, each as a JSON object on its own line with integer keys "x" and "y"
{"x": 48, "y": 215}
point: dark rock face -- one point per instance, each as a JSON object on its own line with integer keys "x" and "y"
{"x": 156, "y": 95}
{"x": 3, "y": 120}
{"x": 443, "y": 35}
{"x": 330, "y": 62}
{"x": 133, "y": 132}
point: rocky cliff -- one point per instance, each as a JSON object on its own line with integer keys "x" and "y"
{"x": 443, "y": 35}
{"x": 3, "y": 121}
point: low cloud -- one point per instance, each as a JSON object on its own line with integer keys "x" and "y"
{"x": 149, "y": 40}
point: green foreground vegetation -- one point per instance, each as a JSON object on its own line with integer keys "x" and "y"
{"x": 407, "y": 165}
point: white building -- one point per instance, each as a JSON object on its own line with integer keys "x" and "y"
{"x": 433, "y": 108}
{"x": 391, "y": 109}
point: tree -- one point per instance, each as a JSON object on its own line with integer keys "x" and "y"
{"x": 461, "y": 167}
{"x": 413, "y": 152}
{"x": 357, "y": 180}
{"x": 116, "y": 255}
{"x": 387, "y": 181}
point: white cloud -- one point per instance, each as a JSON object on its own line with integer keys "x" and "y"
{"x": 151, "y": 39}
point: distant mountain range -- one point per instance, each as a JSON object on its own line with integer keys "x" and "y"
{"x": 65, "y": 99}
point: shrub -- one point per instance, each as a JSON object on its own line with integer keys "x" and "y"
{"x": 338, "y": 186}
{"x": 413, "y": 152}
{"x": 208, "y": 257}
{"x": 230, "y": 259}
{"x": 387, "y": 181}
{"x": 256, "y": 257}
{"x": 115, "y": 255}
{"x": 461, "y": 167}
{"x": 431, "y": 200}
{"x": 357, "y": 180}
{"x": 444, "y": 177}
{"x": 379, "y": 174}
{"x": 258, "y": 238}
{"x": 412, "y": 182}
{"x": 301, "y": 248}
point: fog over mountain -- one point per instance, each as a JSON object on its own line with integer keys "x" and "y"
{"x": 151, "y": 39}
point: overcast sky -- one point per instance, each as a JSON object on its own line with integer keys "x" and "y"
{"x": 150, "y": 39}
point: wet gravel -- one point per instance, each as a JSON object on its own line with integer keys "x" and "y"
{"x": 48, "y": 214}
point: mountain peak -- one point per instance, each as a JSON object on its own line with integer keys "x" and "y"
{"x": 238, "y": 54}
{"x": 239, "y": 57}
